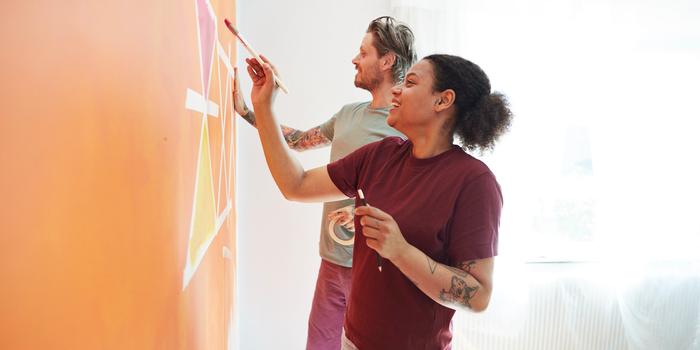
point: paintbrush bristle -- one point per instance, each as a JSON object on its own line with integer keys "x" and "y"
{"x": 230, "y": 26}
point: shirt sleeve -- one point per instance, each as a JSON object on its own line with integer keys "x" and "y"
{"x": 345, "y": 172}
{"x": 475, "y": 222}
{"x": 328, "y": 127}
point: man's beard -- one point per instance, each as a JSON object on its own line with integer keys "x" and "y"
{"x": 370, "y": 85}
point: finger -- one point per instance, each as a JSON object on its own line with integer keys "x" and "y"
{"x": 252, "y": 74}
{"x": 368, "y": 221}
{"x": 257, "y": 68}
{"x": 372, "y": 243}
{"x": 267, "y": 70}
{"x": 370, "y": 233}
{"x": 362, "y": 210}
{"x": 255, "y": 64}
{"x": 252, "y": 61}
{"x": 236, "y": 87}
{"x": 274, "y": 69}
{"x": 375, "y": 212}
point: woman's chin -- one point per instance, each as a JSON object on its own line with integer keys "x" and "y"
{"x": 393, "y": 116}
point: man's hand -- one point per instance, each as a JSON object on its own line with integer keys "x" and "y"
{"x": 238, "y": 101}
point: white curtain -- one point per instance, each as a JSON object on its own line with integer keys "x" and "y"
{"x": 434, "y": 24}
{"x": 600, "y": 171}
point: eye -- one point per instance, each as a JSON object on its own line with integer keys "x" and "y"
{"x": 409, "y": 82}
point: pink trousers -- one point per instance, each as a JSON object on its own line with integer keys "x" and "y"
{"x": 328, "y": 307}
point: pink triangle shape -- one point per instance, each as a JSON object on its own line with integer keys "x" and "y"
{"x": 207, "y": 39}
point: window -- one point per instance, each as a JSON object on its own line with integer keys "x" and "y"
{"x": 601, "y": 159}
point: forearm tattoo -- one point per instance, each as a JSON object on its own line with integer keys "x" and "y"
{"x": 302, "y": 141}
{"x": 460, "y": 291}
{"x": 296, "y": 139}
{"x": 249, "y": 116}
{"x": 432, "y": 265}
{"x": 464, "y": 268}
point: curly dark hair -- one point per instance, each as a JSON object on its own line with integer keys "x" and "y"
{"x": 481, "y": 117}
{"x": 393, "y": 36}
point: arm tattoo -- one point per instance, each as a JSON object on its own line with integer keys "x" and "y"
{"x": 249, "y": 116}
{"x": 432, "y": 265}
{"x": 296, "y": 139}
{"x": 467, "y": 266}
{"x": 464, "y": 268}
{"x": 302, "y": 141}
{"x": 458, "y": 272}
{"x": 459, "y": 292}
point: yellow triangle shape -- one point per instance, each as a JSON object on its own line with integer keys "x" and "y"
{"x": 204, "y": 216}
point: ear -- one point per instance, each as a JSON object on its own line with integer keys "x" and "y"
{"x": 444, "y": 100}
{"x": 387, "y": 61}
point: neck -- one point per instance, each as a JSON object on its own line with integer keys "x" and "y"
{"x": 430, "y": 145}
{"x": 381, "y": 95}
{"x": 430, "y": 140}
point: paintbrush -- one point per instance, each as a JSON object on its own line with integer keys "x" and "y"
{"x": 363, "y": 201}
{"x": 253, "y": 53}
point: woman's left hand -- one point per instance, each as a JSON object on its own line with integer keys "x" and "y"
{"x": 382, "y": 232}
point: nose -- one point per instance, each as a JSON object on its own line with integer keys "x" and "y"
{"x": 355, "y": 59}
{"x": 396, "y": 90}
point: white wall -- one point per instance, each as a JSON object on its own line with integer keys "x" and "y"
{"x": 312, "y": 44}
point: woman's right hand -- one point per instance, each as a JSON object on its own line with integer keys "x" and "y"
{"x": 264, "y": 87}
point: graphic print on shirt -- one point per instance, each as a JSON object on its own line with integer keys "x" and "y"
{"x": 341, "y": 225}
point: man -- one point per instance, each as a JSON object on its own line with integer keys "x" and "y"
{"x": 385, "y": 54}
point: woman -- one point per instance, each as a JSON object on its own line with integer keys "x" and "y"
{"x": 433, "y": 210}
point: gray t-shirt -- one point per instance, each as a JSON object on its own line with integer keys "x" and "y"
{"x": 354, "y": 126}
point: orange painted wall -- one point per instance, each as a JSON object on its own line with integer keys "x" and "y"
{"x": 98, "y": 167}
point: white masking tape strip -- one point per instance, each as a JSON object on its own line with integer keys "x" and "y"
{"x": 195, "y": 102}
{"x": 190, "y": 269}
{"x": 224, "y": 58}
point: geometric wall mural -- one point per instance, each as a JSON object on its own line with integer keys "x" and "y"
{"x": 117, "y": 225}
{"x": 212, "y": 204}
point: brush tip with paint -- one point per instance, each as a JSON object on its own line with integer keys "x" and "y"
{"x": 230, "y": 26}
{"x": 235, "y": 32}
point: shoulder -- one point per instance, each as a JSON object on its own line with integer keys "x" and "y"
{"x": 350, "y": 109}
{"x": 354, "y": 106}
{"x": 471, "y": 168}
{"x": 383, "y": 148}
{"x": 392, "y": 143}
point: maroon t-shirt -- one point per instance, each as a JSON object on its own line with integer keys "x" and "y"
{"x": 448, "y": 206}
